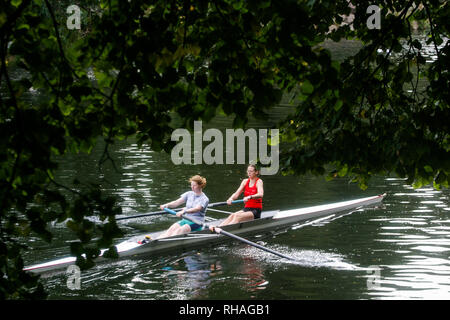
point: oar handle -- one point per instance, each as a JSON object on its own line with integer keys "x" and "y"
{"x": 211, "y": 205}
{"x": 156, "y": 213}
{"x": 170, "y": 211}
{"x": 216, "y": 204}
{"x": 188, "y": 218}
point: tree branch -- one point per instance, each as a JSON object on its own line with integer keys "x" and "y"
{"x": 433, "y": 36}
{"x": 55, "y": 26}
{"x": 380, "y": 40}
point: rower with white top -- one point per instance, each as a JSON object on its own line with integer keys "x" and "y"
{"x": 196, "y": 204}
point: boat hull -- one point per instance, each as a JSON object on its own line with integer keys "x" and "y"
{"x": 269, "y": 222}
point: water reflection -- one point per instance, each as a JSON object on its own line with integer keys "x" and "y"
{"x": 418, "y": 232}
{"x": 190, "y": 276}
{"x": 137, "y": 177}
{"x": 185, "y": 277}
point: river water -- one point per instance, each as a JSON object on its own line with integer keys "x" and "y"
{"x": 399, "y": 250}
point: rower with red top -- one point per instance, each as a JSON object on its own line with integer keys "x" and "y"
{"x": 253, "y": 193}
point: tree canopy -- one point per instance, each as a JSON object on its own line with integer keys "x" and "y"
{"x": 133, "y": 65}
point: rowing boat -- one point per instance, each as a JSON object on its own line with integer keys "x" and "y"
{"x": 270, "y": 220}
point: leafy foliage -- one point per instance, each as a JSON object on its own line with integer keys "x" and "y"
{"x": 389, "y": 125}
{"x": 135, "y": 65}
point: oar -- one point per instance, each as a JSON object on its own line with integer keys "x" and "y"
{"x": 216, "y": 204}
{"x": 144, "y": 215}
{"x": 228, "y": 234}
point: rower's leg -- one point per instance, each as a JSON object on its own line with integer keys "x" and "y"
{"x": 240, "y": 216}
{"x": 243, "y": 216}
{"x": 170, "y": 232}
{"x": 183, "y": 229}
{"x": 228, "y": 220}
{"x": 235, "y": 217}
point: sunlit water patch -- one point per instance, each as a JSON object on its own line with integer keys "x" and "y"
{"x": 418, "y": 232}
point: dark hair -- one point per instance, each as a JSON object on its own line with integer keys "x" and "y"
{"x": 254, "y": 166}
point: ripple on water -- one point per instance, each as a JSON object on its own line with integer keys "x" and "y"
{"x": 418, "y": 230}
{"x": 305, "y": 258}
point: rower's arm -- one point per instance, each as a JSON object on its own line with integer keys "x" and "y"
{"x": 238, "y": 192}
{"x": 195, "y": 209}
{"x": 259, "y": 190}
{"x": 174, "y": 203}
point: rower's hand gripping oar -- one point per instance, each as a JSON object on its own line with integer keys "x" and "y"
{"x": 216, "y": 204}
{"x": 233, "y": 236}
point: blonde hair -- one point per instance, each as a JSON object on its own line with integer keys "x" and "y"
{"x": 199, "y": 179}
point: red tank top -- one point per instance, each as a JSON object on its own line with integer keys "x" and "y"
{"x": 249, "y": 191}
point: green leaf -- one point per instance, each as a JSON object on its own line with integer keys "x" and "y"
{"x": 306, "y": 87}
{"x": 343, "y": 171}
{"x": 16, "y": 3}
{"x": 338, "y": 105}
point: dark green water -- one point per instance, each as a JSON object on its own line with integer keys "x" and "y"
{"x": 407, "y": 239}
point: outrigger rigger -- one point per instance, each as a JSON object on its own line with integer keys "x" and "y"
{"x": 270, "y": 220}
